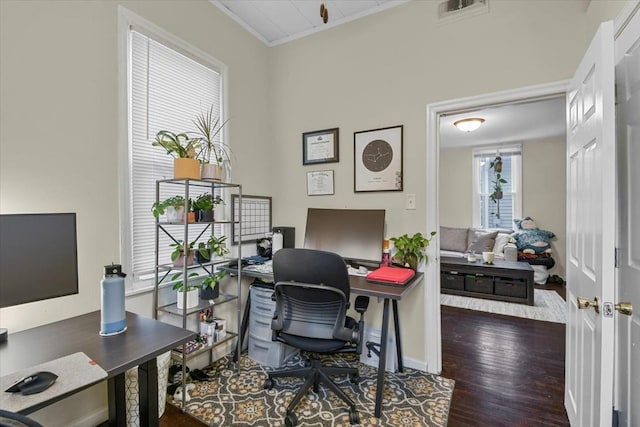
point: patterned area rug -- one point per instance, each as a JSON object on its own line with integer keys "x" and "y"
{"x": 411, "y": 399}
{"x": 548, "y": 306}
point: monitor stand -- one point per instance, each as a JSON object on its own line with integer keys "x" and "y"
{"x": 3, "y": 334}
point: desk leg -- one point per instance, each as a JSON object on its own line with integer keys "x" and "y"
{"x": 148, "y": 393}
{"x": 382, "y": 360}
{"x": 396, "y": 323}
{"x": 117, "y": 401}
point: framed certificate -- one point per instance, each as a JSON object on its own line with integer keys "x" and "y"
{"x": 378, "y": 159}
{"x": 320, "y": 146}
{"x": 320, "y": 183}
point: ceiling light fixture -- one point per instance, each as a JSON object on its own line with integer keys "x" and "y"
{"x": 468, "y": 125}
{"x": 324, "y": 13}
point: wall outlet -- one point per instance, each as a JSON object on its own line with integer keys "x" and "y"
{"x": 410, "y": 201}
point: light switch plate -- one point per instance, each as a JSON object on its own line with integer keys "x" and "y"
{"x": 410, "y": 201}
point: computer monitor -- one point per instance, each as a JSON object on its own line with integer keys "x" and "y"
{"x": 38, "y": 257}
{"x": 354, "y": 234}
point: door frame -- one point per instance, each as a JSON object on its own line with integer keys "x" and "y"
{"x": 432, "y": 326}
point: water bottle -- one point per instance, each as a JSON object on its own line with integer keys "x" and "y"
{"x": 113, "y": 319}
{"x": 278, "y": 242}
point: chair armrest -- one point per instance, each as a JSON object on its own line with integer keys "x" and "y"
{"x": 362, "y": 303}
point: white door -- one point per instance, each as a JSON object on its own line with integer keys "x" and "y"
{"x": 627, "y": 384}
{"x": 591, "y": 235}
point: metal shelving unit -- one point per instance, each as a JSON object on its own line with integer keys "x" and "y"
{"x": 180, "y": 232}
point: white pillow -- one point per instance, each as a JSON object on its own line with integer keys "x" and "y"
{"x": 501, "y": 240}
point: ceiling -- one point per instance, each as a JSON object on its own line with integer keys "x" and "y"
{"x": 506, "y": 124}
{"x": 279, "y": 21}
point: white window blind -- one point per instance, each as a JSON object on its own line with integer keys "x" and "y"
{"x": 498, "y": 214}
{"x": 168, "y": 89}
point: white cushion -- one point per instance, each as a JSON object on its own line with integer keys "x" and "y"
{"x": 501, "y": 240}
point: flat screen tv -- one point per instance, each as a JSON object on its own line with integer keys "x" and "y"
{"x": 38, "y": 257}
{"x": 354, "y": 234}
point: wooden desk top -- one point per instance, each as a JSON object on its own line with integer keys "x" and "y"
{"x": 144, "y": 338}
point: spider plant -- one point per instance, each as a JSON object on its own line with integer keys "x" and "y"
{"x": 209, "y": 127}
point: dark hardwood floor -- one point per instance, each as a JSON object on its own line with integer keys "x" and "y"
{"x": 509, "y": 371}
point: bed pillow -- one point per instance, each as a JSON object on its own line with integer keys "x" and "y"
{"x": 453, "y": 239}
{"x": 481, "y": 240}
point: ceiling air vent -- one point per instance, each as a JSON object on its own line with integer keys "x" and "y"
{"x": 451, "y": 10}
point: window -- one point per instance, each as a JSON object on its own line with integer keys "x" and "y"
{"x": 169, "y": 84}
{"x": 498, "y": 213}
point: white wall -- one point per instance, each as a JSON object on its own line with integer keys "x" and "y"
{"x": 382, "y": 71}
{"x": 59, "y": 134}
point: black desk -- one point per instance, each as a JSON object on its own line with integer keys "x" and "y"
{"x": 139, "y": 345}
{"x": 360, "y": 286}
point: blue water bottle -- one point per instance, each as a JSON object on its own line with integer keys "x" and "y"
{"x": 113, "y": 319}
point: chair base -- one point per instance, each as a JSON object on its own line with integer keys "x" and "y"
{"x": 314, "y": 374}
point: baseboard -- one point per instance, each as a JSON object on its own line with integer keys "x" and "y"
{"x": 418, "y": 365}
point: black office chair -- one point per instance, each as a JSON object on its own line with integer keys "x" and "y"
{"x": 312, "y": 297}
{"x": 11, "y": 419}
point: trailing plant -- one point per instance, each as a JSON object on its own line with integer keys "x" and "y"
{"x": 213, "y": 246}
{"x": 412, "y": 249}
{"x": 178, "y": 145}
{"x": 497, "y": 182}
{"x": 159, "y": 208}
{"x": 180, "y": 248}
{"x": 207, "y": 202}
{"x": 212, "y": 280}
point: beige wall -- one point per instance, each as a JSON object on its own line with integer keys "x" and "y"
{"x": 543, "y": 190}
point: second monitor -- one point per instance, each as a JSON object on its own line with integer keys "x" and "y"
{"x": 354, "y": 234}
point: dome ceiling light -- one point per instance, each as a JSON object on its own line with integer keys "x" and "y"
{"x": 468, "y": 125}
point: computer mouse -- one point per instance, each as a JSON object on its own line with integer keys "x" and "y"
{"x": 34, "y": 383}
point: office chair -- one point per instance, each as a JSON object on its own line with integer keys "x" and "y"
{"x": 12, "y": 419}
{"x": 312, "y": 297}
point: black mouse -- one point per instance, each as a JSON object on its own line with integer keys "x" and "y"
{"x": 34, "y": 383}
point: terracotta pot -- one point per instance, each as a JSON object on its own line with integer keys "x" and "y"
{"x": 186, "y": 168}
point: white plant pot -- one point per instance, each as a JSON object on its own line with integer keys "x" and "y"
{"x": 193, "y": 298}
{"x": 212, "y": 171}
{"x": 175, "y": 214}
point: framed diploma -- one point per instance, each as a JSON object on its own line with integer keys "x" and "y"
{"x": 378, "y": 159}
{"x": 320, "y": 183}
{"x": 320, "y": 146}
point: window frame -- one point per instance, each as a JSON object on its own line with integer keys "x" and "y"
{"x": 126, "y": 21}
{"x": 516, "y": 185}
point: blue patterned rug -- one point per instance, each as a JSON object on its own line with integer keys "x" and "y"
{"x": 411, "y": 399}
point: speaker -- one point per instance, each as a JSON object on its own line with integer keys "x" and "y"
{"x": 288, "y": 236}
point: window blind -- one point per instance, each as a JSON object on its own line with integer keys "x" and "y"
{"x": 168, "y": 89}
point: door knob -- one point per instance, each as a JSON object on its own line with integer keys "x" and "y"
{"x": 586, "y": 303}
{"x": 625, "y": 308}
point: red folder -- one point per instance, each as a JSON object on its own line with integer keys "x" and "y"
{"x": 393, "y": 275}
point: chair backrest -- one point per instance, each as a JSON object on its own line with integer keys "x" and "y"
{"x": 312, "y": 294}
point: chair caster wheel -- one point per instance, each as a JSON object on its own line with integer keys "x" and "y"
{"x": 268, "y": 384}
{"x": 354, "y": 417}
{"x": 291, "y": 420}
{"x": 354, "y": 378}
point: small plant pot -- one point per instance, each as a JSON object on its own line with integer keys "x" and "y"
{"x": 180, "y": 261}
{"x": 186, "y": 168}
{"x": 210, "y": 293}
{"x": 497, "y": 195}
{"x": 175, "y": 214}
{"x": 191, "y": 217}
{"x": 212, "y": 171}
{"x": 192, "y": 298}
{"x": 205, "y": 216}
{"x": 412, "y": 261}
{"x": 202, "y": 260}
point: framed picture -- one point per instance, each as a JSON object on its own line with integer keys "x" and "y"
{"x": 320, "y": 146}
{"x": 320, "y": 183}
{"x": 377, "y": 157}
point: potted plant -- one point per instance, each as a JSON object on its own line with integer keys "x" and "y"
{"x": 214, "y": 153}
{"x": 497, "y": 182}
{"x": 184, "y": 149}
{"x": 178, "y": 256}
{"x": 412, "y": 249}
{"x": 210, "y": 288}
{"x": 496, "y": 164}
{"x": 215, "y": 246}
{"x": 173, "y": 206}
{"x": 204, "y": 205}
{"x": 181, "y": 288}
